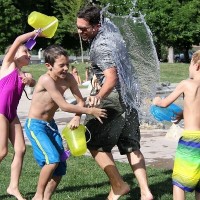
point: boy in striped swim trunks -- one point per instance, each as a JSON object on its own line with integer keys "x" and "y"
{"x": 186, "y": 172}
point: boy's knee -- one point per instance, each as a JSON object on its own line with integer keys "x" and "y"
{"x": 53, "y": 165}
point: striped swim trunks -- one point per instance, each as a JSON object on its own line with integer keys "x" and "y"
{"x": 46, "y": 143}
{"x": 186, "y": 172}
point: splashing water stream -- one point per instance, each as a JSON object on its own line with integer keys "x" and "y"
{"x": 136, "y": 60}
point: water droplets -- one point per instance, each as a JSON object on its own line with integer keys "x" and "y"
{"x": 138, "y": 68}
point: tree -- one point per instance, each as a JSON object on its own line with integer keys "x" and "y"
{"x": 10, "y": 23}
{"x": 186, "y": 24}
{"x": 66, "y": 12}
{"x": 14, "y": 15}
{"x": 173, "y": 23}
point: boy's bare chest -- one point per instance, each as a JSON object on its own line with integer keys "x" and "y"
{"x": 62, "y": 86}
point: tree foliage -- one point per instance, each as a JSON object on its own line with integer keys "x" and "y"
{"x": 172, "y": 22}
{"x": 10, "y": 23}
{"x": 14, "y": 15}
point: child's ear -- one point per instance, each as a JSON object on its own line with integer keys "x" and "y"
{"x": 49, "y": 67}
{"x": 198, "y": 66}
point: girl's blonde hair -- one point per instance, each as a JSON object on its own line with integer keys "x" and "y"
{"x": 8, "y": 48}
{"x": 196, "y": 57}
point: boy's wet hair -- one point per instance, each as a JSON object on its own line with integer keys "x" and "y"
{"x": 92, "y": 14}
{"x": 196, "y": 57}
{"x": 51, "y": 53}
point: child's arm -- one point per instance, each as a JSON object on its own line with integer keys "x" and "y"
{"x": 172, "y": 97}
{"x": 9, "y": 57}
{"x": 57, "y": 97}
{"x": 74, "y": 123}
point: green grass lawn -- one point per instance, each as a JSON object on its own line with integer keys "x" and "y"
{"x": 84, "y": 180}
{"x": 172, "y": 73}
{"x": 39, "y": 69}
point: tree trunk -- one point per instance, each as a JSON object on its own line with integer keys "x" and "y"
{"x": 170, "y": 55}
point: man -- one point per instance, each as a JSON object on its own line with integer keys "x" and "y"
{"x": 109, "y": 62}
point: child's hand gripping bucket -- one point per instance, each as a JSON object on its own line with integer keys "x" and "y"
{"x": 47, "y": 24}
{"x": 76, "y": 140}
{"x": 31, "y": 42}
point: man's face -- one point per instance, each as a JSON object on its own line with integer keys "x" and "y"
{"x": 86, "y": 30}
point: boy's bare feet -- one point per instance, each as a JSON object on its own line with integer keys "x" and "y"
{"x": 15, "y": 192}
{"x": 114, "y": 195}
{"x": 38, "y": 197}
{"x": 147, "y": 196}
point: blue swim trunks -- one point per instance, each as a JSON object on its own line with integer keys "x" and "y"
{"x": 46, "y": 143}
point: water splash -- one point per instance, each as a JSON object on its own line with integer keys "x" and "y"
{"x": 140, "y": 72}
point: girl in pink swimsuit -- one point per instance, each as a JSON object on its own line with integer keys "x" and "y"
{"x": 12, "y": 82}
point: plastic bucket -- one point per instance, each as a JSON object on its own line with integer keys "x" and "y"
{"x": 75, "y": 139}
{"x": 48, "y": 24}
{"x": 165, "y": 114}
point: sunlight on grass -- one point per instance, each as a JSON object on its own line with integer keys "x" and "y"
{"x": 84, "y": 180}
{"x": 172, "y": 73}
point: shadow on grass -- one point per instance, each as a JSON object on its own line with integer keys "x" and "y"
{"x": 85, "y": 180}
{"x": 159, "y": 183}
{"x": 86, "y": 187}
{"x": 159, "y": 187}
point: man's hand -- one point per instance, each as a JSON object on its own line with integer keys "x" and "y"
{"x": 93, "y": 101}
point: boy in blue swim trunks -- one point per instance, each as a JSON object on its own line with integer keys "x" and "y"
{"x": 40, "y": 126}
{"x": 186, "y": 172}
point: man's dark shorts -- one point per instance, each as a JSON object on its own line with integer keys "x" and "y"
{"x": 121, "y": 128}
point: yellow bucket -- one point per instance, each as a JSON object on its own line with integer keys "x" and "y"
{"x": 48, "y": 24}
{"x": 75, "y": 139}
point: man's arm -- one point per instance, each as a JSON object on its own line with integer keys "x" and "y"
{"x": 108, "y": 85}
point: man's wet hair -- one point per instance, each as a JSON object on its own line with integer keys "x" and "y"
{"x": 92, "y": 14}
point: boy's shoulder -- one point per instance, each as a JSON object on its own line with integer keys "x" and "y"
{"x": 70, "y": 78}
{"x": 185, "y": 82}
{"x": 44, "y": 77}
{"x": 190, "y": 84}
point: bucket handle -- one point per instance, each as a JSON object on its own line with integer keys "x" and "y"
{"x": 49, "y": 25}
{"x": 89, "y": 134}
